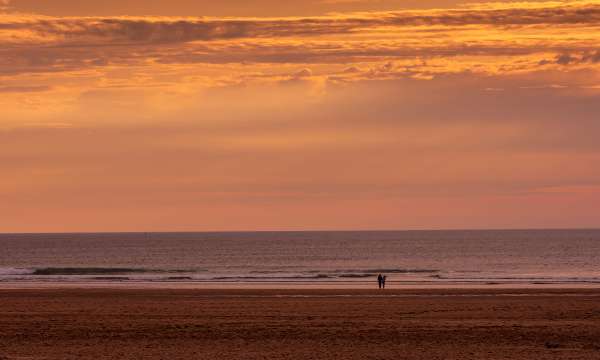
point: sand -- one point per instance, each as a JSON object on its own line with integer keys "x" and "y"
{"x": 299, "y": 324}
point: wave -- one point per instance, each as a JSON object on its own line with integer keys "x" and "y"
{"x": 131, "y": 273}
{"x": 401, "y": 276}
{"x": 364, "y": 275}
{"x": 282, "y": 277}
{"x": 111, "y": 278}
{"x": 99, "y": 271}
{"x": 15, "y": 271}
{"x": 87, "y": 271}
{"x": 538, "y": 280}
{"x": 388, "y": 271}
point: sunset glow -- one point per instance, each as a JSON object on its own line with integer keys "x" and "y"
{"x": 274, "y": 115}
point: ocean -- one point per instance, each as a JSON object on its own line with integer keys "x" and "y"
{"x": 348, "y": 258}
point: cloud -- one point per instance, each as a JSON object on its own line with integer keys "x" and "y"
{"x": 585, "y": 57}
{"x": 81, "y": 55}
{"x": 593, "y": 57}
{"x": 24, "y": 89}
{"x": 4, "y": 5}
{"x": 479, "y": 39}
{"x": 252, "y": 113}
{"x": 303, "y": 73}
{"x": 351, "y": 70}
{"x": 564, "y": 59}
{"x": 140, "y": 30}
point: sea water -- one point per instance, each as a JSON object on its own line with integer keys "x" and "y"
{"x": 352, "y": 258}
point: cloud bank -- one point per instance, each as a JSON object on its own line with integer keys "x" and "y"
{"x": 140, "y": 30}
{"x": 483, "y": 38}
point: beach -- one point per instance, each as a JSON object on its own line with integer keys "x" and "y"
{"x": 110, "y": 323}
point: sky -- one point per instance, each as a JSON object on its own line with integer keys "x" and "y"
{"x": 185, "y": 115}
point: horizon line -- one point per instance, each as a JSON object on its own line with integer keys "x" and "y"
{"x": 299, "y": 231}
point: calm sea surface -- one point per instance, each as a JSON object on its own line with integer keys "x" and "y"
{"x": 406, "y": 257}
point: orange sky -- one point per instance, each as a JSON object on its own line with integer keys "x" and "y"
{"x": 334, "y": 114}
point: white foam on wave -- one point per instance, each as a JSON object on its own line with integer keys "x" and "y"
{"x": 8, "y": 271}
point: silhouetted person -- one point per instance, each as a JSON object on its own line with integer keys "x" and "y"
{"x": 380, "y": 280}
{"x": 383, "y": 281}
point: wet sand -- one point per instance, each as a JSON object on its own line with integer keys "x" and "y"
{"x": 299, "y": 324}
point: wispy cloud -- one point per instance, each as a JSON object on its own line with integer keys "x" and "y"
{"x": 488, "y": 39}
{"x": 483, "y": 38}
{"x": 140, "y": 30}
{"x": 24, "y": 89}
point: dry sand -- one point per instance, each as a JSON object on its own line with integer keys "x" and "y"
{"x": 299, "y": 324}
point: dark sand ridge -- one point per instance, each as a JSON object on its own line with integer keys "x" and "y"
{"x": 299, "y": 324}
